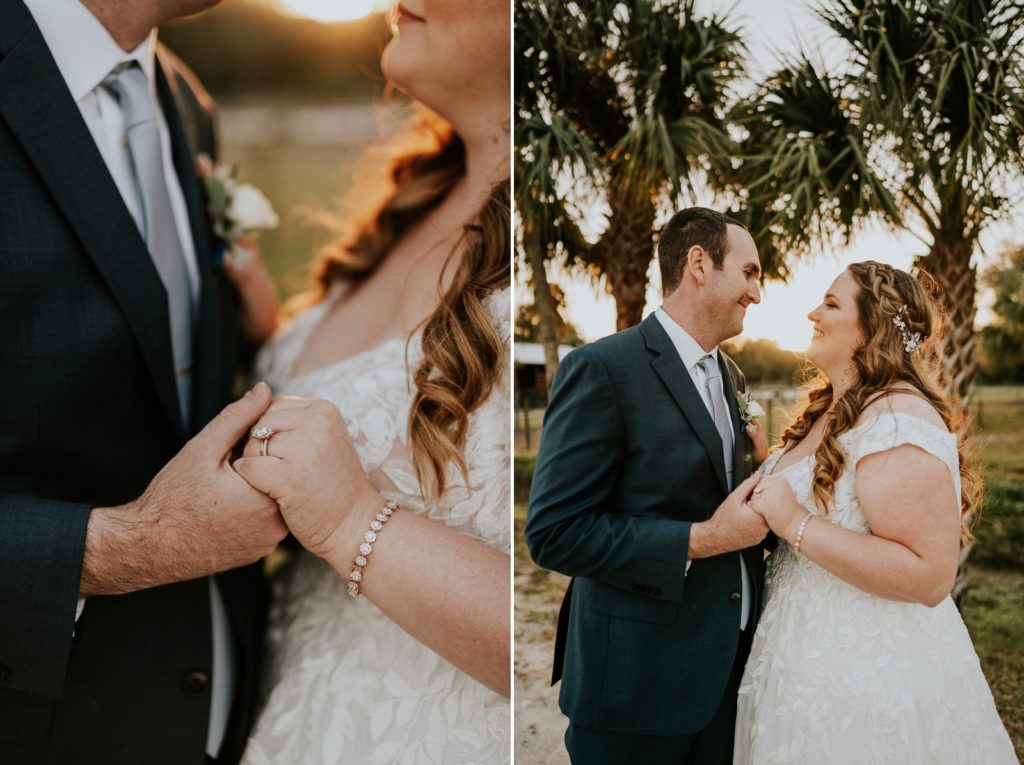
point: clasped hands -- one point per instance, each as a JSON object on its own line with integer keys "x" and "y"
{"x": 774, "y": 501}
{"x": 754, "y": 507}
{"x": 203, "y": 514}
{"x": 310, "y": 468}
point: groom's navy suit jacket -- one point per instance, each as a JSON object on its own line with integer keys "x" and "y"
{"x": 88, "y": 415}
{"x": 629, "y": 458}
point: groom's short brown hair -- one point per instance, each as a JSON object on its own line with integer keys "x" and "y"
{"x": 693, "y": 226}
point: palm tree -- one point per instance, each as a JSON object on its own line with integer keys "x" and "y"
{"x": 621, "y": 101}
{"x": 924, "y": 131}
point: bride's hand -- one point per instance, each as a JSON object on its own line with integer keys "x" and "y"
{"x": 313, "y": 472}
{"x": 244, "y": 266}
{"x": 773, "y": 500}
{"x": 760, "y": 441}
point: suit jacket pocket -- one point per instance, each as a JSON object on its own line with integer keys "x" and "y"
{"x": 24, "y": 719}
{"x": 623, "y": 604}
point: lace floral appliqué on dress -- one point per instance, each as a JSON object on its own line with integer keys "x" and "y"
{"x": 839, "y": 676}
{"x": 344, "y": 683}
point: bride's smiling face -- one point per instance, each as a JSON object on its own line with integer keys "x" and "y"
{"x": 451, "y": 54}
{"x": 837, "y": 332}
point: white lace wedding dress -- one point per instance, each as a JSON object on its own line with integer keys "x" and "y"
{"x": 345, "y": 684}
{"x": 836, "y": 675}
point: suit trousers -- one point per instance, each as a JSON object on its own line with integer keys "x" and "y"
{"x": 711, "y": 745}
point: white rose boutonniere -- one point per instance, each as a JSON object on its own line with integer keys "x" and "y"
{"x": 236, "y": 209}
{"x": 749, "y": 409}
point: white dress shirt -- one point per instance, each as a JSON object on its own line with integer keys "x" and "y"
{"x": 85, "y": 54}
{"x": 691, "y": 353}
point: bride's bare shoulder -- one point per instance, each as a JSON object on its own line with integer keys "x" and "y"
{"x": 902, "y": 398}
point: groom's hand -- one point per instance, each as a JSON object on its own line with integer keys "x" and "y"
{"x": 197, "y": 516}
{"x": 734, "y": 526}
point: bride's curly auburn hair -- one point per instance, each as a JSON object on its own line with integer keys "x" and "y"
{"x": 881, "y": 364}
{"x": 463, "y": 353}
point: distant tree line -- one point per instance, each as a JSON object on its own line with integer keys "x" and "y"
{"x": 527, "y": 328}
{"x": 244, "y": 47}
{"x": 763, "y": 361}
{"x": 1001, "y": 359}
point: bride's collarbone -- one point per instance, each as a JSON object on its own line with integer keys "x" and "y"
{"x": 392, "y": 302}
{"x": 803, "y": 448}
{"x": 388, "y": 305}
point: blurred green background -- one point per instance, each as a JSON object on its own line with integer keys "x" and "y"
{"x": 303, "y": 106}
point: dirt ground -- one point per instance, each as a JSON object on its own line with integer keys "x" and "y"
{"x": 539, "y": 724}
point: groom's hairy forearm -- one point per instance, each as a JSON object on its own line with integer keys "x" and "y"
{"x": 705, "y": 542}
{"x": 135, "y": 546}
{"x": 118, "y": 549}
{"x": 698, "y": 544}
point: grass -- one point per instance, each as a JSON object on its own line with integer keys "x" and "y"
{"x": 1000, "y": 436}
{"x": 993, "y": 608}
{"x": 994, "y": 613}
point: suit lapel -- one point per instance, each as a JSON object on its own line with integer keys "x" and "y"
{"x": 674, "y": 375}
{"x": 183, "y": 151}
{"x": 38, "y": 108}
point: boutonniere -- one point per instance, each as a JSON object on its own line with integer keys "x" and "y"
{"x": 236, "y": 209}
{"x": 749, "y": 409}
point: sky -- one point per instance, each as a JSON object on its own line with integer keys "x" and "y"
{"x": 771, "y": 27}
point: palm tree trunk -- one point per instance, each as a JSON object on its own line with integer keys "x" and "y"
{"x": 625, "y": 251}
{"x": 628, "y": 285}
{"x": 545, "y": 307}
{"x": 949, "y": 261}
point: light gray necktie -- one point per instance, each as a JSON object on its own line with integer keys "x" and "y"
{"x": 723, "y": 422}
{"x": 127, "y": 84}
{"x": 718, "y": 411}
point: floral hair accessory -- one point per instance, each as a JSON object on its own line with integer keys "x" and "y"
{"x": 911, "y": 342}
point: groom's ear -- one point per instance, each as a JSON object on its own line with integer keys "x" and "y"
{"x": 696, "y": 264}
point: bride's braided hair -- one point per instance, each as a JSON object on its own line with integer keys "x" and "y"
{"x": 883, "y": 366}
{"x": 463, "y": 353}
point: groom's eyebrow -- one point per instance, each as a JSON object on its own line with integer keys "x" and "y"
{"x": 753, "y": 268}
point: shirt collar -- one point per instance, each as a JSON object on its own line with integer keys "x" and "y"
{"x": 689, "y": 349}
{"x": 82, "y": 47}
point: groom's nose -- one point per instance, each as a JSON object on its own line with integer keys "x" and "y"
{"x": 754, "y": 293}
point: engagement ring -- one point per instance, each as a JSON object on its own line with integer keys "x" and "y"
{"x": 262, "y": 434}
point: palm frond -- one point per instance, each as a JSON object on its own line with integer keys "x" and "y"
{"x": 547, "y": 151}
{"x": 803, "y": 167}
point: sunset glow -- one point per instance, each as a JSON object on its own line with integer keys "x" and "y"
{"x": 334, "y": 10}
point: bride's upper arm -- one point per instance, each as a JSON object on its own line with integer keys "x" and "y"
{"x": 907, "y": 493}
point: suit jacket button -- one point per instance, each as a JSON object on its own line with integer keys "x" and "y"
{"x": 195, "y": 682}
{"x": 734, "y": 597}
{"x": 5, "y": 673}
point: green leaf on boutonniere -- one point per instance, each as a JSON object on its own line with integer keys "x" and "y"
{"x": 216, "y": 196}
